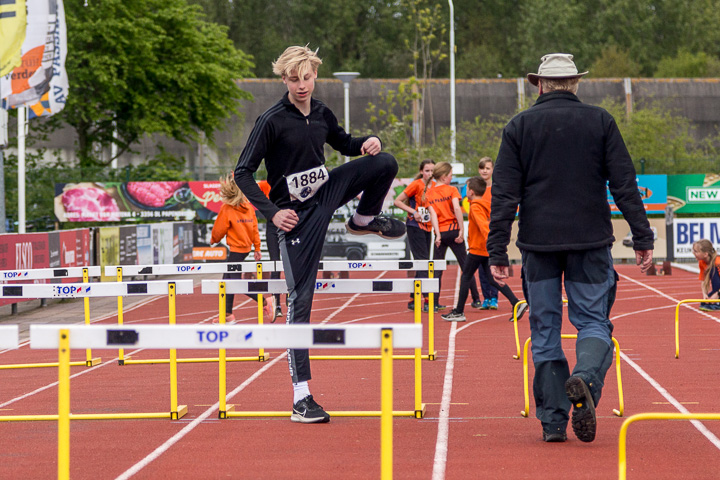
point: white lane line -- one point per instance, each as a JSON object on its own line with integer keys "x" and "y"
{"x": 443, "y": 435}
{"x": 675, "y": 300}
{"x": 191, "y": 426}
{"x": 707, "y": 433}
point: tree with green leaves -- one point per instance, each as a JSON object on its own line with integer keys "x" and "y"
{"x": 140, "y": 67}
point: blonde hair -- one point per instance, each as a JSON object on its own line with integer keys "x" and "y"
{"x": 229, "y": 192}
{"x": 705, "y": 246}
{"x": 560, "y": 84}
{"x": 296, "y": 59}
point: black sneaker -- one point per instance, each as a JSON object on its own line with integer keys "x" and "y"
{"x": 382, "y": 226}
{"x": 278, "y": 313}
{"x": 411, "y": 305}
{"x": 554, "y": 437}
{"x": 477, "y": 304}
{"x": 308, "y": 411}
{"x": 454, "y": 316}
{"x": 584, "y": 423}
{"x": 520, "y": 311}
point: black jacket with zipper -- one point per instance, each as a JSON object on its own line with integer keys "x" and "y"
{"x": 290, "y": 143}
{"x": 555, "y": 161}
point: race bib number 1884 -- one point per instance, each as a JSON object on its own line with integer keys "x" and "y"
{"x": 305, "y": 185}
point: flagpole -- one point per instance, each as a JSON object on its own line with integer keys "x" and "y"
{"x": 22, "y": 125}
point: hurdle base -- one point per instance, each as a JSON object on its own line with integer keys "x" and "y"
{"x": 523, "y": 413}
{"x": 93, "y": 361}
{"x": 335, "y": 413}
{"x": 38, "y": 365}
{"x": 370, "y": 357}
{"x": 617, "y": 412}
{"x": 154, "y": 361}
{"x": 124, "y": 360}
{"x": 181, "y": 412}
{"x": 92, "y": 416}
{"x": 420, "y": 413}
{"x": 222, "y": 414}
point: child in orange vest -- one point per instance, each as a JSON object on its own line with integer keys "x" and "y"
{"x": 237, "y": 222}
{"x": 709, "y": 263}
{"x": 447, "y": 221}
{"x": 478, "y": 228}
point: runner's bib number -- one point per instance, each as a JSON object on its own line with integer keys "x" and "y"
{"x": 305, "y": 185}
{"x": 424, "y": 214}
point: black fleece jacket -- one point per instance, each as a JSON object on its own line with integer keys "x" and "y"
{"x": 290, "y": 143}
{"x": 555, "y": 161}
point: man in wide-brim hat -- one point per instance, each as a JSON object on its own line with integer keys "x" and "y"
{"x": 554, "y": 163}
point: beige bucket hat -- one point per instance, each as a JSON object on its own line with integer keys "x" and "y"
{"x": 555, "y": 65}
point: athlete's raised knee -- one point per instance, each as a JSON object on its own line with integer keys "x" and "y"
{"x": 387, "y": 162}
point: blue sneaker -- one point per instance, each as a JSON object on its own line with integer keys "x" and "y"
{"x": 485, "y": 304}
{"x": 493, "y": 304}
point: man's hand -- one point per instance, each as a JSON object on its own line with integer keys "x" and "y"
{"x": 285, "y": 220}
{"x": 372, "y": 146}
{"x": 644, "y": 259}
{"x": 500, "y": 273}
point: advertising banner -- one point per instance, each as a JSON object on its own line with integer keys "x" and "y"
{"x": 689, "y": 230}
{"x": 144, "y": 245}
{"x": 127, "y": 244}
{"x": 182, "y": 242}
{"x": 653, "y": 191}
{"x": 694, "y": 193}
{"x": 162, "y": 238}
{"x": 115, "y": 201}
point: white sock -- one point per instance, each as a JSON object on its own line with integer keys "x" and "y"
{"x": 362, "y": 220}
{"x": 300, "y": 391}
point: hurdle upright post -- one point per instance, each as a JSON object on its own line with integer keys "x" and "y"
{"x": 174, "y": 413}
{"x": 260, "y": 299}
{"x": 386, "y": 404}
{"x": 64, "y": 405}
{"x": 431, "y": 315}
{"x": 419, "y": 411}
{"x": 89, "y": 361}
{"x": 222, "y": 366}
{"x": 121, "y": 351}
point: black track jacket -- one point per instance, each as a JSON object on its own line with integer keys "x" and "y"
{"x": 290, "y": 143}
{"x": 555, "y": 161}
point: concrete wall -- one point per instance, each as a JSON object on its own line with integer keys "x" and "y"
{"x": 696, "y": 99}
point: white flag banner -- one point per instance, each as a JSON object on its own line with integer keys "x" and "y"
{"x": 40, "y": 82}
{"x": 12, "y": 34}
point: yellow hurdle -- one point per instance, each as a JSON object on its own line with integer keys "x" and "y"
{"x": 89, "y": 360}
{"x": 622, "y": 440}
{"x": 677, "y": 319}
{"x": 386, "y": 406}
{"x": 621, "y": 408}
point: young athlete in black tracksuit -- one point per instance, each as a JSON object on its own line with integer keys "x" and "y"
{"x": 290, "y": 136}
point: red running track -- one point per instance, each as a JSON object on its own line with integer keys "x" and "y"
{"x": 474, "y": 394}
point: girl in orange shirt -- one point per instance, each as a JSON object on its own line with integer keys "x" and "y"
{"x": 413, "y": 201}
{"x": 447, "y": 221}
{"x": 709, "y": 263}
{"x": 238, "y": 223}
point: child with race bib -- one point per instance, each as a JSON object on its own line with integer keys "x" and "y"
{"x": 447, "y": 221}
{"x": 290, "y": 137}
{"x": 413, "y": 200}
{"x": 237, "y": 222}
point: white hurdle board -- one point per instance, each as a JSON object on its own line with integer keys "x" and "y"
{"x": 9, "y": 336}
{"x": 395, "y": 285}
{"x": 48, "y": 273}
{"x": 271, "y": 266}
{"x": 191, "y": 268}
{"x": 80, "y": 290}
{"x": 379, "y": 265}
{"x": 225, "y": 337}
